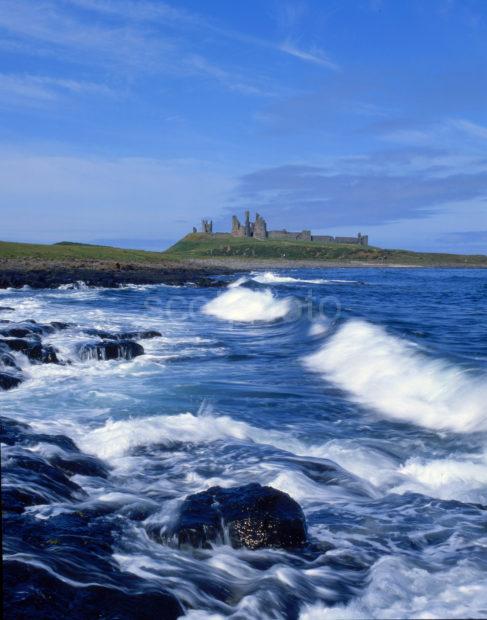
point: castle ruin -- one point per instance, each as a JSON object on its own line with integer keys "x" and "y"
{"x": 258, "y": 230}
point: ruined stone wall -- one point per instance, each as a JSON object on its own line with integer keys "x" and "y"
{"x": 258, "y": 230}
{"x": 304, "y": 235}
{"x": 323, "y": 238}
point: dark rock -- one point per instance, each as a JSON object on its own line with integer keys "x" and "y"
{"x": 110, "y": 350}
{"x": 20, "y": 345}
{"x": 54, "y": 277}
{"x": 32, "y": 592}
{"x": 39, "y": 479}
{"x": 143, "y": 335}
{"x": 13, "y": 432}
{"x": 140, "y": 335}
{"x": 100, "y": 333}
{"x": 44, "y": 354}
{"x": 80, "y": 464}
{"x": 60, "y": 325}
{"x": 33, "y": 349}
{"x": 6, "y": 309}
{"x": 9, "y": 381}
{"x": 6, "y": 358}
{"x": 251, "y": 516}
{"x": 15, "y": 332}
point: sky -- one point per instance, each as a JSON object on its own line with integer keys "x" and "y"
{"x": 125, "y": 122}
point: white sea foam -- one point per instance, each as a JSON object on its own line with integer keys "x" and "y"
{"x": 393, "y": 377}
{"x": 244, "y": 305}
{"x": 461, "y": 479}
{"x": 238, "y": 282}
{"x": 78, "y": 285}
{"x": 398, "y": 590}
{"x": 117, "y": 438}
{"x": 271, "y": 278}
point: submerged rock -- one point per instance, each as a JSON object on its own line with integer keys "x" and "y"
{"x": 9, "y": 381}
{"x": 33, "y": 592}
{"x": 79, "y": 464}
{"x": 69, "y": 570}
{"x": 6, "y": 358}
{"x": 251, "y": 516}
{"x": 110, "y": 350}
{"x": 61, "y": 325}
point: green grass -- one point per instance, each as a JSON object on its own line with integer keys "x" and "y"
{"x": 67, "y": 251}
{"x": 204, "y": 246}
{"x": 201, "y": 246}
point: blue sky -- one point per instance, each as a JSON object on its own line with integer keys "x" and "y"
{"x": 126, "y": 121}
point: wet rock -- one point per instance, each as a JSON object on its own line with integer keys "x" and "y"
{"x": 16, "y": 332}
{"x": 32, "y": 592}
{"x": 251, "y": 516}
{"x": 142, "y": 335}
{"x": 9, "y": 381}
{"x": 110, "y": 350}
{"x": 53, "y": 277}
{"x": 13, "y": 432}
{"x": 136, "y": 335}
{"x": 6, "y": 309}
{"x": 41, "y": 483}
{"x": 61, "y": 325}
{"x": 79, "y": 464}
{"x": 33, "y": 349}
{"x": 6, "y": 358}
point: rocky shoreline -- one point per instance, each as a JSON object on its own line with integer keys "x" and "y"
{"x": 108, "y": 276}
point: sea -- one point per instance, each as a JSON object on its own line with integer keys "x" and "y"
{"x": 361, "y": 393}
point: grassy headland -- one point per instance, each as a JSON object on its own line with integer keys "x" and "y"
{"x": 220, "y": 248}
{"x": 193, "y": 259}
{"x": 44, "y": 266}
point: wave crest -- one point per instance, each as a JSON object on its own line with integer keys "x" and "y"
{"x": 245, "y": 305}
{"x": 388, "y": 374}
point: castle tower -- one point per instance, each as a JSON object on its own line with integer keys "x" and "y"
{"x": 260, "y": 227}
{"x": 247, "y": 226}
{"x": 207, "y": 226}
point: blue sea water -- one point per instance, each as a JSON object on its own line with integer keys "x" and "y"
{"x": 360, "y": 392}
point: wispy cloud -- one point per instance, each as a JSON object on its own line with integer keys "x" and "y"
{"x": 133, "y": 43}
{"x": 472, "y": 129}
{"x": 315, "y": 55}
{"x": 34, "y": 90}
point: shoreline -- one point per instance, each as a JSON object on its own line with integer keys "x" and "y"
{"x": 236, "y": 264}
{"x": 199, "y": 272}
{"x": 17, "y": 275}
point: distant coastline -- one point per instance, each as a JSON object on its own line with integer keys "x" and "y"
{"x": 194, "y": 260}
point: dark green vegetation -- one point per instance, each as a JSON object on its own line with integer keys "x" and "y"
{"x": 202, "y": 246}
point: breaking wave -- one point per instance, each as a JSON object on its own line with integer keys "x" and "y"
{"x": 390, "y": 375}
{"x": 118, "y": 438}
{"x": 399, "y": 590}
{"x": 244, "y": 305}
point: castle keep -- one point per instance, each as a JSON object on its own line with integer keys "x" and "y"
{"x": 258, "y": 230}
